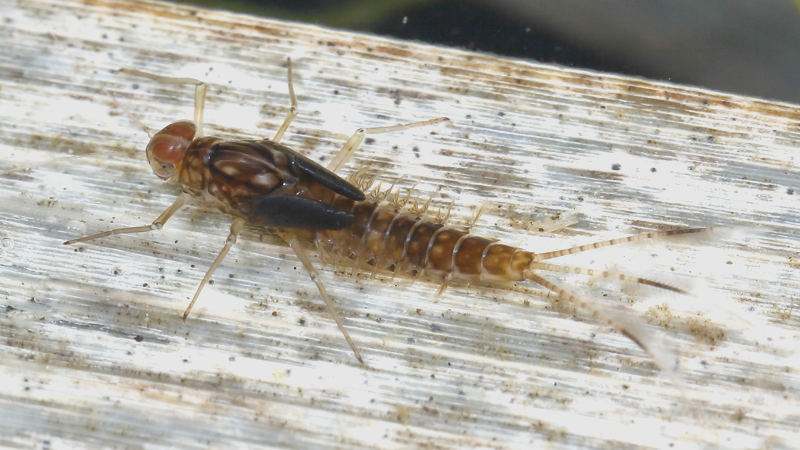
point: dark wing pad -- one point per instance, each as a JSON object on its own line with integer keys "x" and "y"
{"x": 290, "y": 211}
{"x": 324, "y": 176}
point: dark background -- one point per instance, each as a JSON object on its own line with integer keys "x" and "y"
{"x": 745, "y": 47}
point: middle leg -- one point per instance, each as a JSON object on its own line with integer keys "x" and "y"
{"x": 236, "y": 228}
{"x": 292, "y": 109}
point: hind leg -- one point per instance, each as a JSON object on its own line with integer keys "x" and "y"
{"x": 352, "y": 143}
{"x": 312, "y": 272}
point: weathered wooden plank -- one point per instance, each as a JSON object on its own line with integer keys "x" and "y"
{"x": 93, "y": 346}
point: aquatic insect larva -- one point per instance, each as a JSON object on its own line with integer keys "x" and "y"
{"x": 265, "y": 183}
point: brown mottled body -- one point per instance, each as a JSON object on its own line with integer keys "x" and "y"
{"x": 263, "y": 182}
{"x": 232, "y": 174}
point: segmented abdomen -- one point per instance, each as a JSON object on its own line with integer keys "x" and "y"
{"x": 384, "y": 238}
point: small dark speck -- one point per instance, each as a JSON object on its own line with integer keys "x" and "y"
{"x": 231, "y": 358}
{"x": 301, "y": 321}
{"x": 501, "y": 114}
{"x": 616, "y": 166}
{"x": 435, "y": 328}
{"x": 230, "y": 275}
{"x": 625, "y": 387}
{"x": 185, "y": 360}
{"x": 411, "y": 340}
{"x": 729, "y": 262}
{"x": 790, "y": 191}
{"x": 369, "y": 140}
{"x": 335, "y": 92}
{"x": 468, "y": 116}
{"x": 138, "y": 338}
{"x": 116, "y": 272}
{"x": 135, "y": 86}
{"x": 710, "y": 139}
{"x": 415, "y": 150}
{"x": 104, "y": 36}
{"x": 145, "y": 285}
{"x": 210, "y": 282}
{"x": 274, "y": 313}
{"x": 653, "y": 169}
{"x": 580, "y": 198}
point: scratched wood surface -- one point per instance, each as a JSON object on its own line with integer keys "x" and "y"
{"x": 94, "y": 351}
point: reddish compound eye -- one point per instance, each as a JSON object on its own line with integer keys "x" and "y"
{"x": 167, "y": 147}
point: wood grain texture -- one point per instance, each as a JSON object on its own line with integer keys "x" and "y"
{"x": 94, "y": 350}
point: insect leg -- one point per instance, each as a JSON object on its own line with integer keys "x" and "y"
{"x": 236, "y": 228}
{"x": 292, "y": 110}
{"x": 199, "y": 104}
{"x": 355, "y": 140}
{"x": 200, "y": 89}
{"x": 312, "y": 272}
{"x": 156, "y": 225}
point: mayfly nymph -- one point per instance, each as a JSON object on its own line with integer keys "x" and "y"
{"x": 265, "y": 183}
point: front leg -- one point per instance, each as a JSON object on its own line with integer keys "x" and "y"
{"x": 200, "y": 89}
{"x": 156, "y": 225}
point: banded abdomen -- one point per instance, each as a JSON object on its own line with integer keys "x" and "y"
{"x": 384, "y": 237}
